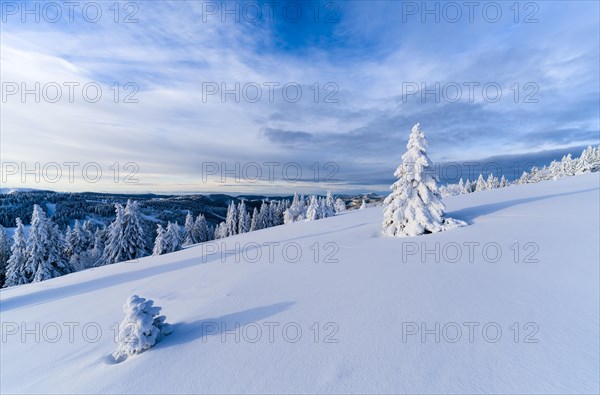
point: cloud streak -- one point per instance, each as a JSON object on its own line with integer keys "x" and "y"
{"x": 360, "y": 121}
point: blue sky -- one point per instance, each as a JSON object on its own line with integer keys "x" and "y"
{"x": 362, "y": 57}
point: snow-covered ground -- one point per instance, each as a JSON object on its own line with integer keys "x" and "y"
{"x": 356, "y": 313}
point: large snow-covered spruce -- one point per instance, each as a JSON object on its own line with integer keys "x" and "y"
{"x": 414, "y": 206}
{"x": 141, "y": 328}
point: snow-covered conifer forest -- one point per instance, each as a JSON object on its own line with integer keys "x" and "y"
{"x": 299, "y": 197}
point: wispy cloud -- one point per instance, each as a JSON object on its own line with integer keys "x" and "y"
{"x": 360, "y": 121}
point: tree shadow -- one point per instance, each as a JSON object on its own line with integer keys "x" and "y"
{"x": 470, "y": 213}
{"x": 185, "y": 332}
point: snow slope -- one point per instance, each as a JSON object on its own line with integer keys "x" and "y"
{"x": 367, "y": 305}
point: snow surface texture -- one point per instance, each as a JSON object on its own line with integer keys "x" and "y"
{"x": 366, "y": 306}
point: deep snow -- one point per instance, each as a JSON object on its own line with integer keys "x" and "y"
{"x": 365, "y": 305}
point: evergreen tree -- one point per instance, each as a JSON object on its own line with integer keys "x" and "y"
{"x": 112, "y": 250}
{"x": 4, "y": 254}
{"x": 56, "y": 262}
{"x": 329, "y": 206}
{"x": 468, "y": 186}
{"x": 568, "y": 166}
{"x": 281, "y": 207}
{"x": 340, "y": 206}
{"x": 414, "y": 206}
{"x": 274, "y": 221}
{"x": 585, "y": 163}
{"x": 173, "y": 237}
{"x": 189, "y": 236}
{"x": 492, "y": 182}
{"x": 244, "y": 218}
{"x": 201, "y": 230}
{"x": 481, "y": 184}
{"x": 533, "y": 175}
{"x": 291, "y": 213}
{"x": 125, "y": 235}
{"x": 524, "y": 179}
{"x": 312, "y": 212}
{"x": 99, "y": 243}
{"x": 296, "y": 211}
{"x": 133, "y": 231}
{"x": 87, "y": 235}
{"x": 461, "y": 186}
{"x": 220, "y": 231}
{"x": 301, "y": 208}
{"x": 36, "y": 246}
{"x": 363, "y": 205}
{"x": 141, "y": 328}
{"x": 264, "y": 216}
{"x": 231, "y": 221}
{"x": 16, "y": 270}
{"x": 75, "y": 243}
{"x": 160, "y": 243}
{"x": 254, "y": 222}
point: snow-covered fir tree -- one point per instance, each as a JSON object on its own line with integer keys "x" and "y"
{"x": 220, "y": 231}
{"x": 414, "y": 206}
{"x": 340, "y": 206}
{"x": 87, "y": 235}
{"x": 273, "y": 213}
{"x": 302, "y": 204}
{"x": 296, "y": 211}
{"x": 133, "y": 231}
{"x": 363, "y": 205}
{"x": 56, "y": 262}
{"x": 125, "y": 235}
{"x": 44, "y": 248}
{"x": 112, "y": 251}
{"x": 481, "y": 184}
{"x": 264, "y": 216}
{"x": 99, "y": 242}
{"x": 16, "y": 270}
{"x": 188, "y": 230}
{"x": 468, "y": 186}
{"x": 568, "y": 165}
{"x": 231, "y": 221}
{"x": 142, "y": 327}
{"x": 160, "y": 243}
{"x": 503, "y": 182}
{"x": 4, "y": 253}
{"x": 72, "y": 240}
{"x": 329, "y": 205}
{"x": 243, "y": 218}
{"x": 282, "y": 205}
{"x": 523, "y": 179}
{"x": 586, "y": 162}
{"x": 492, "y": 182}
{"x": 36, "y": 244}
{"x": 78, "y": 245}
{"x": 312, "y": 212}
{"x": 534, "y": 175}
{"x": 201, "y": 230}
{"x": 173, "y": 237}
{"x": 254, "y": 221}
